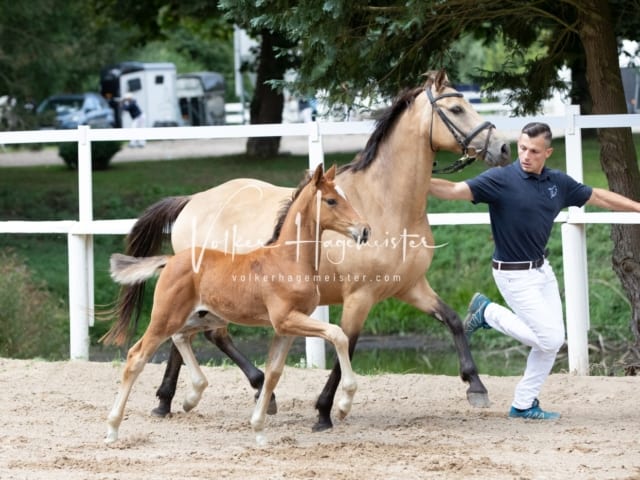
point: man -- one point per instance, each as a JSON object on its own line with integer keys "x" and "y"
{"x": 524, "y": 198}
{"x": 130, "y": 105}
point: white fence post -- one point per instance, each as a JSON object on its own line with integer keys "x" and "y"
{"x": 80, "y": 249}
{"x": 315, "y": 347}
{"x": 574, "y": 258}
{"x": 576, "y": 297}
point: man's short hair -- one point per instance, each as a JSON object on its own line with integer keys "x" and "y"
{"x": 535, "y": 129}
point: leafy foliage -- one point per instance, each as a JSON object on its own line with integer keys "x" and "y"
{"x": 101, "y": 154}
{"x": 32, "y": 320}
{"x": 52, "y": 46}
{"x": 369, "y": 49}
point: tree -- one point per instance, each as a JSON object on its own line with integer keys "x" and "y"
{"x": 275, "y": 57}
{"x": 369, "y": 48}
{"x": 52, "y": 46}
{"x": 198, "y": 21}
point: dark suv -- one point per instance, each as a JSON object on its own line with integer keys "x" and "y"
{"x": 73, "y": 109}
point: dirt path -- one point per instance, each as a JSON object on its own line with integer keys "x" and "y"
{"x": 401, "y": 427}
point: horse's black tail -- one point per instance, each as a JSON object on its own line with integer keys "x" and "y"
{"x": 145, "y": 239}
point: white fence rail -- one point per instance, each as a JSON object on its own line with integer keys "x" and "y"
{"x": 80, "y": 232}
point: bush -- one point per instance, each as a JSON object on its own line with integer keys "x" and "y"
{"x": 101, "y": 154}
{"x": 33, "y": 323}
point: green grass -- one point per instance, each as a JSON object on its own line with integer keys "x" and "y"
{"x": 459, "y": 269}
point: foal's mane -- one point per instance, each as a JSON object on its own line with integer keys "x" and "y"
{"x": 384, "y": 125}
{"x": 286, "y": 206}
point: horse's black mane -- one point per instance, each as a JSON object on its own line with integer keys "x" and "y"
{"x": 286, "y": 206}
{"x": 384, "y": 125}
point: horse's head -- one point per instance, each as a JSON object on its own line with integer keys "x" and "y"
{"x": 335, "y": 211}
{"x": 456, "y": 126}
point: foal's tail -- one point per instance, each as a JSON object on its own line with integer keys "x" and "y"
{"x": 127, "y": 270}
{"x": 130, "y": 271}
{"x": 145, "y": 239}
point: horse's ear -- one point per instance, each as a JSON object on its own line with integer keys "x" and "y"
{"x": 331, "y": 173}
{"x": 430, "y": 78}
{"x": 317, "y": 175}
{"x": 441, "y": 79}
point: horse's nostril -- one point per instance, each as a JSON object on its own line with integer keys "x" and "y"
{"x": 365, "y": 235}
{"x": 506, "y": 150}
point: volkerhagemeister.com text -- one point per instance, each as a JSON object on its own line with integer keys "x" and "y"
{"x": 316, "y": 278}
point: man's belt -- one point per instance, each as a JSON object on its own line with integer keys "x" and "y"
{"x": 517, "y": 265}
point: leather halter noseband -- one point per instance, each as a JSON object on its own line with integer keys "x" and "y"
{"x": 457, "y": 133}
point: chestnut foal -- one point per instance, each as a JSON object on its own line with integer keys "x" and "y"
{"x": 203, "y": 289}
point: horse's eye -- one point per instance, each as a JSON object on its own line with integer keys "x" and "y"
{"x": 332, "y": 202}
{"x": 456, "y": 110}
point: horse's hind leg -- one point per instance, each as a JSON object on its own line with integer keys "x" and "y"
{"x": 223, "y": 341}
{"x": 198, "y": 380}
{"x": 278, "y": 350}
{"x": 425, "y": 299}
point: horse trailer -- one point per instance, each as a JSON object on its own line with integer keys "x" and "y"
{"x": 153, "y": 86}
{"x": 201, "y": 98}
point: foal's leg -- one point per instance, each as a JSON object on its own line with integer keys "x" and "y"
{"x": 354, "y": 313}
{"x": 223, "y": 341}
{"x": 280, "y": 346}
{"x": 424, "y": 298}
{"x": 137, "y": 358}
{"x": 198, "y": 380}
{"x": 301, "y": 325}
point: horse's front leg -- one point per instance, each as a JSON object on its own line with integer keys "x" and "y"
{"x": 280, "y": 346}
{"x": 354, "y": 313}
{"x": 198, "y": 380}
{"x": 223, "y": 341}
{"x": 167, "y": 389}
{"x": 424, "y": 298}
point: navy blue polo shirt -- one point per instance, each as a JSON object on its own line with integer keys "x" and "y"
{"x": 522, "y": 207}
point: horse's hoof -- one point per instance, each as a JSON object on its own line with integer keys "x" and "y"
{"x": 322, "y": 425}
{"x": 112, "y": 436}
{"x": 478, "y": 400}
{"x": 272, "y": 409}
{"x": 160, "y": 412}
{"x": 261, "y": 440}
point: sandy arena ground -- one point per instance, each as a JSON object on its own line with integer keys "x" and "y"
{"x": 401, "y": 427}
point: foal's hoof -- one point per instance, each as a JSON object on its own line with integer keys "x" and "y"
{"x": 272, "y": 409}
{"x": 478, "y": 400}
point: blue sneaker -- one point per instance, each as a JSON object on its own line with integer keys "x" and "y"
{"x": 475, "y": 315}
{"x": 533, "y": 413}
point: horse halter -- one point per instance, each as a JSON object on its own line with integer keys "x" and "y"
{"x": 457, "y": 133}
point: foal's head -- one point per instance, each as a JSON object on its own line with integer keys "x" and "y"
{"x": 319, "y": 199}
{"x": 336, "y": 212}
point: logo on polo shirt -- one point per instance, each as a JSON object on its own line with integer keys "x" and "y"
{"x": 553, "y": 191}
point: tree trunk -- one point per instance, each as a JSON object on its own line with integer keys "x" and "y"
{"x": 267, "y": 102}
{"x": 617, "y": 151}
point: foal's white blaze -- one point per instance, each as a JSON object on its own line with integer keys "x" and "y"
{"x": 341, "y": 192}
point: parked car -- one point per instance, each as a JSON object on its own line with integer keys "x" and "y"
{"x": 73, "y": 109}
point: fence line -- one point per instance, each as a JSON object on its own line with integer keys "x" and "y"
{"x": 80, "y": 232}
